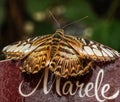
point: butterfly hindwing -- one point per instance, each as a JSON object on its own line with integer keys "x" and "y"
{"x": 66, "y": 61}
{"x": 37, "y": 60}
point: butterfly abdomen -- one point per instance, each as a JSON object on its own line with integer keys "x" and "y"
{"x": 56, "y": 38}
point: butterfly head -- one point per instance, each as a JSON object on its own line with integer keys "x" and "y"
{"x": 59, "y": 33}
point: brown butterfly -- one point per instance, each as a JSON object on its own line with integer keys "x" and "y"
{"x": 64, "y": 55}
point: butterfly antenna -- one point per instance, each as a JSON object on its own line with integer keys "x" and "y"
{"x": 58, "y": 24}
{"x": 75, "y": 22}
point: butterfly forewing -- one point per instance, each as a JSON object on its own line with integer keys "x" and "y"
{"x": 92, "y": 50}
{"x": 21, "y": 49}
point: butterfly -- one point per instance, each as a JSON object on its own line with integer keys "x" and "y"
{"x": 62, "y": 54}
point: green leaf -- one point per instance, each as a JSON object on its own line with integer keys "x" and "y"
{"x": 107, "y": 33}
{"x": 43, "y": 28}
{"x": 114, "y": 38}
{"x": 36, "y": 5}
{"x": 77, "y": 10}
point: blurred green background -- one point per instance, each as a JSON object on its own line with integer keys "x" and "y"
{"x": 20, "y": 19}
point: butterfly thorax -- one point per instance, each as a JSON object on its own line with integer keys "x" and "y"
{"x": 55, "y": 42}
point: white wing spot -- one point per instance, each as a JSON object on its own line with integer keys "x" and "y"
{"x": 111, "y": 52}
{"x": 30, "y": 49}
{"x": 97, "y": 52}
{"x": 24, "y": 43}
{"x": 25, "y": 48}
{"x": 91, "y": 42}
{"x": 11, "y": 48}
{"x": 104, "y": 54}
{"x": 108, "y": 52}
{"x": 34, "y": 38}
{"x": 84, "y": 41}
{"x": 5, "y": 48}
{"x": 28, "y": 39}
{"x": 19, "y": 43}
{"x": 82, "y": 51}
{"x": 88, "y": 50}
{"x": 18, "y": 48}
{"x": 94, "y": 46}
{"x": 117, "y": 53}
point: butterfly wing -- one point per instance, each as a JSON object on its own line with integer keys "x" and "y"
{"x": 37, "y": 59}
{"x": 21, "y": 49}
{"x": 65, "y": 55}
{"x": 92, "y": 50}
{"x": 66, "y": 61}
{"x": 75, "y": 56}
{"x": 33, "y": 52}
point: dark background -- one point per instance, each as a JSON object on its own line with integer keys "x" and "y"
{"x": 20, "y": 19}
